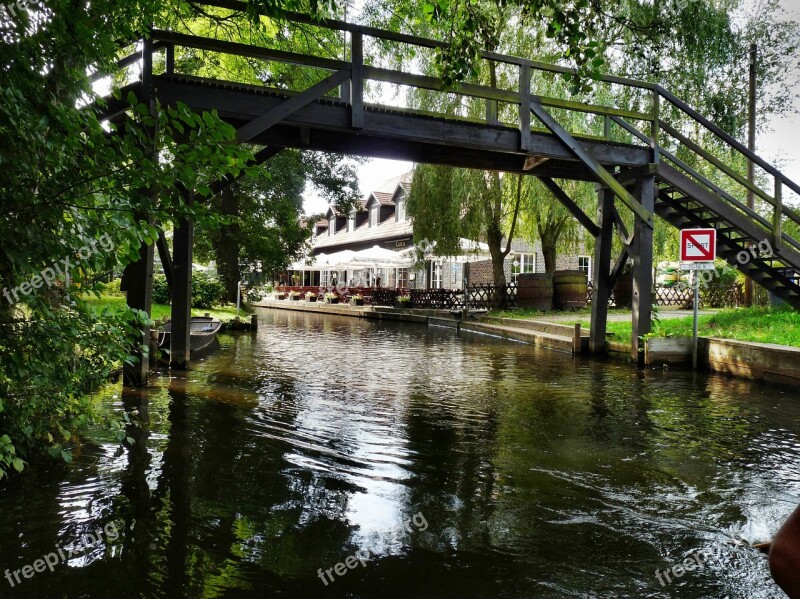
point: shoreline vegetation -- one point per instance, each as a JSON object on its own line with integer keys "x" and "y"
{"x": 161, "y": 312}
{"x": 780, "y": 326}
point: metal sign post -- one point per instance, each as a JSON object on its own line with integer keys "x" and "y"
{"x": 696, "y": 310}
{"x": 698, "y": 251}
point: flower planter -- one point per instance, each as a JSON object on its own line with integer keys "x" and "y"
{"x": 403, "y": 305}
{"x": 335, "y": 300}
{"x": 280, "y": 296}
{"x": 295, "y": 298}
{"x": 358, "y": 302}
{"x": 311, "y": 298}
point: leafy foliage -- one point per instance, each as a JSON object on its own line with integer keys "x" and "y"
{"x": 206, "y": 290}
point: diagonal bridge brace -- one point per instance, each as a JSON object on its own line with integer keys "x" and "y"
{"x": 601, "y": 173}
{"x": 274, "y": 116}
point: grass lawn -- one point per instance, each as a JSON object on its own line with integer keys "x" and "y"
{"x": 764, "y": 325}
{"x": 160, "y": 311}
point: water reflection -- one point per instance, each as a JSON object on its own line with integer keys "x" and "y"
{"x": 538, "y": 475}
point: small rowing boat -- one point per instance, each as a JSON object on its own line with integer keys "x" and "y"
{"x": 203, "y": 331}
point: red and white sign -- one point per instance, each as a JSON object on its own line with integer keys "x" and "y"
{"x": 698, "y": 245}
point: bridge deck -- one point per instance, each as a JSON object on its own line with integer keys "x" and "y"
{"x": 404, "y": 134}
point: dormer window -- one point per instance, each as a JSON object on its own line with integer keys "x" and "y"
{"x": 373, "y": 216}
{"x": 351, "y": 221}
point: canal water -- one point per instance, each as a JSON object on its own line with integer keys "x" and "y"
{"x": 423, "y": 464}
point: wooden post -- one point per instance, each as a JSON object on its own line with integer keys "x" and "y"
{"x": 641, "y": 317}
{"x": 181, "y": 311}
{"x": 576, "y": 339}
{"x": 357, "y": 80}
{"x": 655, "y": 129}
{"x": 170, "y": 59}
{"x": 525, "y": 107}
{"x": 602, "y": 265}
{"x": 139, "y": 276}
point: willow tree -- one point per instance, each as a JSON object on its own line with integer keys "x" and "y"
{"x": 448, "y": 204}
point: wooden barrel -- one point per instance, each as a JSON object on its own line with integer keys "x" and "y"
{"x": 535, "y": 290}
{"x": 623, "y": 291}
{"x": 570, "y": 288}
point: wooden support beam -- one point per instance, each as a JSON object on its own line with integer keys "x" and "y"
{"x": 601, "y": 173}
{"x": 602, "y": 262}
{"x": 290, "y": 106}
{"x": 181, "y": 310}
{"x": 570, "y": 205}
{"x": 139, "y": 281}
{"x": 641, "y": 316}
{"x": 622, "y": 230}
{"x": 166, "y": 259}
{"x": 620, "y": 263}
{"x": 357, "y": 81}
{"x": 139, "y": 274}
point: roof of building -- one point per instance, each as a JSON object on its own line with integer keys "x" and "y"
{"x": 382, "y": 197}
{"x": 385, "y": 230}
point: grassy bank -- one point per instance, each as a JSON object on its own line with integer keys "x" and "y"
{"x": 763, "y": 325}
{"x": 161, "y": 311}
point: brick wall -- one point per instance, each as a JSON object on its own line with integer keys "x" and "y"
{"x": 480, "y": 273}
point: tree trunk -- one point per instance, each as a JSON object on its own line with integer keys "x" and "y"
{"x": 549, "y": 253}
{"x": 227, "y": 249}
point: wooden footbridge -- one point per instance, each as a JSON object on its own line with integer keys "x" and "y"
{"x": 643, "y": 165}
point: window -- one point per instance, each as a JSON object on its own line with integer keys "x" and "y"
{"x": 373, "y": 216}
{"x": 401, "y": 210}
{"x": 436, "y": 275}
{"x": 585, "y": 264}
{"x": 391, "y": 278}
{"x": 522, "y": 263}
{"x": 402, "y": 277}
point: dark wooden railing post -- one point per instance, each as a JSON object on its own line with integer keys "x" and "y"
{"x": 170, "y": 59}
{"x": 777, "y": 216}
{"x": 656, "y": 126}
{"x": 357, "y": 80}
{"x": 525, "y": 107}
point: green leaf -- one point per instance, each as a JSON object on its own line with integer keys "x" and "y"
{"x": 18, "y": 464}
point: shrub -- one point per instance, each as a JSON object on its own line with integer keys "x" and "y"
{"x": 110, "y": 288}
{"x": 160, "y": 290}
{"x": 206, "y": 290}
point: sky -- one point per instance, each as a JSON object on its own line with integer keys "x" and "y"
{"x": 778, "y": 143}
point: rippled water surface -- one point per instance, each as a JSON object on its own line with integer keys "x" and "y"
{"x": 451, "y": 466}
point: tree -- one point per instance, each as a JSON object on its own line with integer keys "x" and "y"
{"x": 266, "y": 232}
{"x": 78, "y": 199}
{"x": 448, "y": 204}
